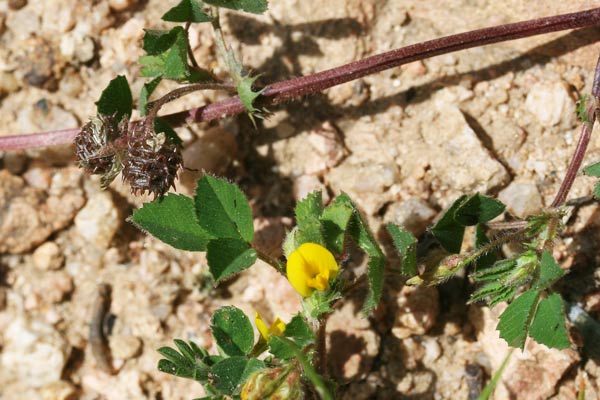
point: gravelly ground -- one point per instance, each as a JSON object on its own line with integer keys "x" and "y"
{"x": 403, "y": 143}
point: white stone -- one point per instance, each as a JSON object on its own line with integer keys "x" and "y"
{"x": 549, "y": 102}
{"x": 47, "y": 256}
{"x": 521, "y": 198}
{"x": 33, "y": 352}
{"x": 99, "y": 220}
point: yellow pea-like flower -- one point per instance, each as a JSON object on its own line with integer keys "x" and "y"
{"x": 311, "y": 267}
{"x": 276, "y": 328}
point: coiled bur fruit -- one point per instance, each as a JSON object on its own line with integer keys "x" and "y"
{"x": 149, "y": 161}
{"x": 95, "y": 147}
{"x": 152, "y": 161}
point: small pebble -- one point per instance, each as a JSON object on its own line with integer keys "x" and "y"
{"x": 120, "y": 5}
{"x": 125, "y": 347}
{"x": 60, "y": 390}
{"x": 48, "y": 257}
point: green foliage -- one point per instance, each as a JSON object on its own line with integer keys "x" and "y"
{"x": 548, "y": 325}
{"x": 187, "y": 11}
{"x": 308, "y": 213}
{"x": 543, "y": 320}
{"x": 167, "y": 56}
{"x": 582, "y": 108}
{"x": 515, "y": 320}
{"x": 145, "y": 94}
{"x": 334, "y": 222}
{"x": 319, "y": 303}
{"x": 193, "y": 362}
{"x": 406, "y": 245}
{"x": 223, "y": 210}
{"x": 228, "y": 256}
{"x": 172, "y": 219}
{"x": 229, "y": 374}
{"x": 116, "y": 99}
{"x": 298, "y": 331}
{"x": 592, "y": 170}
{"x": 232, "y": 331}
{"x": 251, "y": 6}
{"x": 248, "y": 95}
{"x": 466, "y": 211}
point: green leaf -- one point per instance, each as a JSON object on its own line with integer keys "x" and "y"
{"x": 497, "y": 271}
{"x": 247, "y": 94}
{"x": 116, "y": 99}
{"x": 592, "y": 170}
{"x": 548, "y": 327}
{"x": 406, "y": 246}
{"x": 145, "y": 94}
{"x": 167, "y": 54}
{"x": 506, "y": 294}
{"x": 550, "y": 272}
{"x": 230, "y": 374}
{"x": 449, "y": 232}
{"x": 299, "y": 331}
{"x": 186, "y": 365}
{"x": 481, "y": 239}
{"x": 172, "y": 219}
{"x": 186, "y": 11}
{"x": 308, "y": 212}
{"x": 478, "y": 209}
{"x": 515, "y": 320}
{"x": 227, "y": 257}
{"x": 486, "y": 290}
{"x": 223, "y": 210}
{"x": 232, "y": 331}
{"x": 296, "y": 330}
{"x": 342, "y": 216}
{"x": 251, "y": 6}
{"x": 364, "y": 239}
{"x": 597, "y": 191}
{"x": 334, "y": 222}
{"x": 319, "y": 302}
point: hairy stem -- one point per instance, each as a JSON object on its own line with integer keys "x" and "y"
{"x": 177, "y": 93}
{"x": 582, "y": 144}
{"x": 317, "y": 82}
{"x": 189, "y": 47}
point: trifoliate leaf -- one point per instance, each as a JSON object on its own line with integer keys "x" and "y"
{"x": 167, "y": 54}
{"x": 478, "y": 209}
{"x": 251, "y": 6}
{"x": 187, "y": 11}
{"x": 406, "y": 246}
{"x": 515, "y": 320}
{"x": 116, "y": 99}
{"x": 172, "y": 219}
{"x": 232, "y": 331}
{"x": 223, "y": 210}
{"x": 229, "y": 374}
{"x": 548, "y": 326}
{"x": 227, "y": 257}
{"x": 448, "y": 231}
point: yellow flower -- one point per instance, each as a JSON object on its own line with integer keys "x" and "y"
{"x": 311, "y": 267}
{"x": 276, "y": 327}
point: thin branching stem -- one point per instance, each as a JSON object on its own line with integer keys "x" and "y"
{"x": 179, "y": 92}
{"x": 190, "y": 52}
{"x": 320, "y": 81}
{"x": 582, "y": 144}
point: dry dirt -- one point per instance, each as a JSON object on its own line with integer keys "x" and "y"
{"x": 403, "y": 143}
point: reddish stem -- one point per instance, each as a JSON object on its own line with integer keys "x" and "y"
{"x": 320, "y": 81}
{"x": 582, "y": 144}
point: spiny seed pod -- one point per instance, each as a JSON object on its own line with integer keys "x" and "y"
{"x": 93, "y": 143}
{"x": 152, "y": 161}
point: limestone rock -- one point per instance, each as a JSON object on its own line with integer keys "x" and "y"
{"x": 99, "y": 220}
{"x": 521, "y": 198}
{"x": 33, "y": 352}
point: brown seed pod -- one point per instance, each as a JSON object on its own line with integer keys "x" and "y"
{"x": 152, "y": 161}
{"x": 94, "y": 143}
